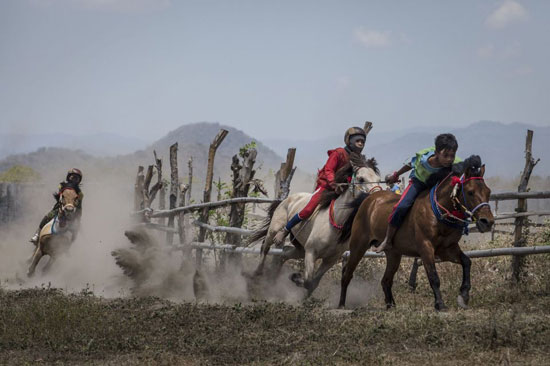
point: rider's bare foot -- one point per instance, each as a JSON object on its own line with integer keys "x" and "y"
{"x": 386, "y": 245}
{"x": 280, "y": 237}
{"x": 34, "y": 239}
{"x": 388, "y": 240}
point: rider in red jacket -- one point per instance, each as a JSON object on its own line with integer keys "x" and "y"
{"x": 337, "y": 158}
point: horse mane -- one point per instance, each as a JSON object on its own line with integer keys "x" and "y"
{"x": 345, "y": 233}
{"x": 356, "y": 160}
{"x": 472, "y": 163}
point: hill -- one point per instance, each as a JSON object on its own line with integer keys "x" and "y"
{"x": 193, "y": 141}
{"x": 100, "y": 144}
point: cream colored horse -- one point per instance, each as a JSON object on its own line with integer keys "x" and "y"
{"x": 317, "y": 237}
{"x": 57, "y": 235}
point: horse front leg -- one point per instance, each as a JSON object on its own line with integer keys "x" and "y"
{"x": 34, "y": 261}
{"x": 358, "y": 245}
{"x": 392, "y": 265}
{"x": 464, "y": 296}
{"x": 428, "y": 259}
{"x": 456, "y": 255}
{"x": 413, "y": 275}
{"x": 326, "y": 264}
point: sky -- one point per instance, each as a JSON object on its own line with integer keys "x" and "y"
{"x": 274, "y": 69}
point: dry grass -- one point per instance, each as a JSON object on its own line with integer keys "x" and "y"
{"x": 506, "y": 324}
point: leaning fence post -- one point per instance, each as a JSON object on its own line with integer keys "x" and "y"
{"x": 519, "y": 239}
{"x": 174, "y": 188}
{"x": 208, "y": 187}
{"x": 284, "y": 175}
{"x": 190, "y": 179}
{"x": 138, "y": 190}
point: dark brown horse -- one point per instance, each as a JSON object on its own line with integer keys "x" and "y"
{"x": 456, "y": 201}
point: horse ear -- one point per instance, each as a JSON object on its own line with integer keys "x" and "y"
{"x": 482, "y": 171}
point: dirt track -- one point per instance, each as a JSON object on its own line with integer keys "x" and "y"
{"x": 505, "y": 325}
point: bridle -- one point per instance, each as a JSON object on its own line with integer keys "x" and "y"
{"x": 353, "y": 183}
{"x": 63, "y": 207}
{"x": 468, "y": 215}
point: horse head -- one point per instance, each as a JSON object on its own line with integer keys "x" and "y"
{"x": 68, "y": 201}
{"x": 365, "y": 172}
{"x": 473, "y": 194}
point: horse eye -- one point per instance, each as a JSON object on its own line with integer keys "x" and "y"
{"x": 361, "y": 180}
{"x": 470, "y": 193}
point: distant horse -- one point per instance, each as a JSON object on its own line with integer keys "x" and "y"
{"x": 57, "y": 235}
{"x": 318, "y": 236}
{"x": 432, "y": 228}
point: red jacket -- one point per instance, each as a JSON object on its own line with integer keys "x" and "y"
{"x": 337, "y": 158}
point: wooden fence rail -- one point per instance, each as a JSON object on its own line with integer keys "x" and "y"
{"x": 199, "y": 206}
{"x": 483, "y": 253}
{"x": 504, "y": 196}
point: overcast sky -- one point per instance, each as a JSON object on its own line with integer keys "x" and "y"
{"x": 271, "y": 68}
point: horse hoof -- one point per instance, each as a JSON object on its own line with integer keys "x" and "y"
{"x": 297, "y": 279}
{"x": 462, "y": 303}
{"x": 441, "y": 308}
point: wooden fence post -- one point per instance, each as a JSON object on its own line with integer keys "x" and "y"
{"x": 519, "y": 239}
{"x": 243, "y": 176}
{"x": 181, "y": 215}
{"x": 138, "y": 190}
{"x": 208, "y": 188}
{"x": 284, "y": 175}
{"x": 174, "y": 188}
{"x": 190, "y": 178}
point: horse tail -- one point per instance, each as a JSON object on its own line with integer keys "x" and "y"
{"x": 261, "y": 232}
{"x": 345, "y": 233}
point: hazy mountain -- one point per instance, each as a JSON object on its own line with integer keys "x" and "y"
{"x": 101, "y": 144}
{"x": 193, "y": 140}
{"x": 501, "y": 147}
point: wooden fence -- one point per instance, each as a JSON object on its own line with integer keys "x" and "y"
{"x": 243, "y": 176}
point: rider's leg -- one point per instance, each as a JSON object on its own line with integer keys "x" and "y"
{"x": 47, "y": 218}
{"x": 399, "y": 212}
{"x": 299, "y": 217}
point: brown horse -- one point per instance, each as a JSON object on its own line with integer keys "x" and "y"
{"x": 57, "y": 235}
{"x": 432, "y": 228}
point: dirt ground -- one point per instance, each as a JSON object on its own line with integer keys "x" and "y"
{"x": 506, "y": 324}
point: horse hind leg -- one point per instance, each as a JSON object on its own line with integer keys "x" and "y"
{"x": 289, "y": 252}
{"x": 309, "y": 263}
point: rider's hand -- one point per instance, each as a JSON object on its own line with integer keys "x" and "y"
{"x": 392, "y": 178}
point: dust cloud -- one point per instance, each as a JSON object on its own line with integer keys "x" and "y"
{"x": 90, "y": 266}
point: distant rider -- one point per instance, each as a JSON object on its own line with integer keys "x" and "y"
{"x": 74, "y": 176}
{"x": 354, "y": 139}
